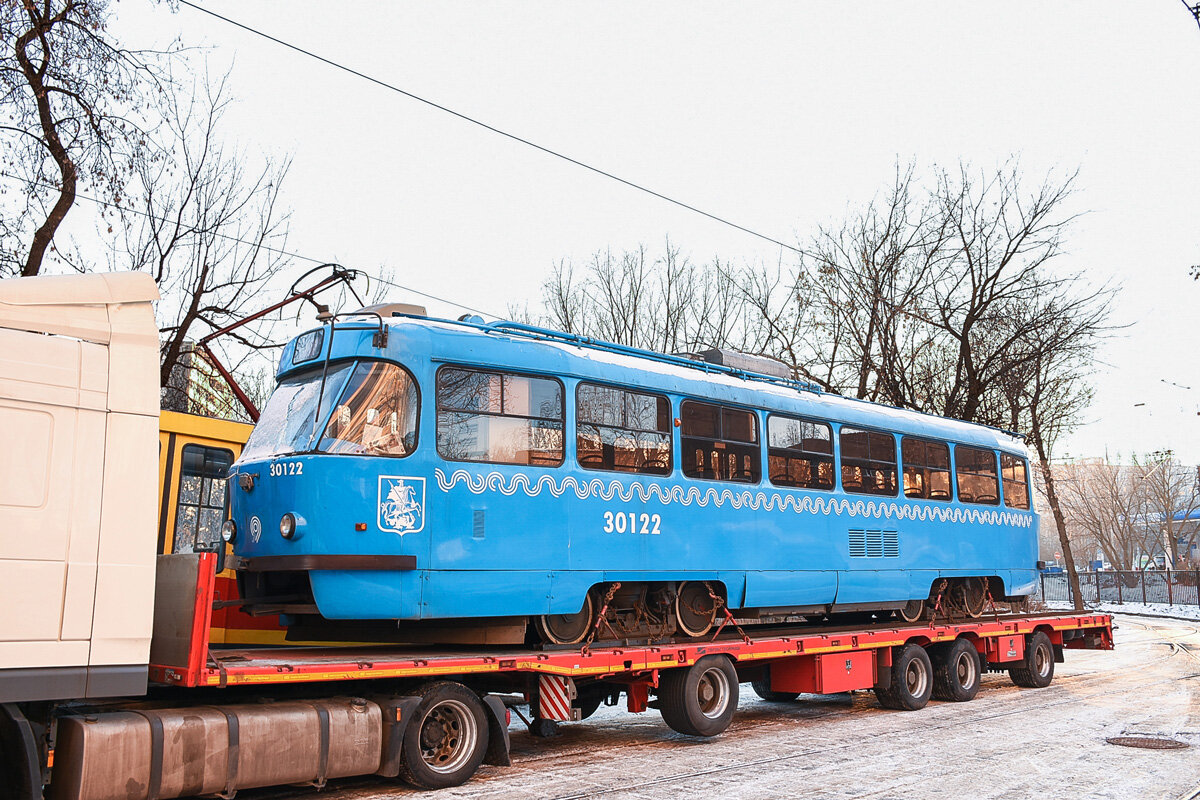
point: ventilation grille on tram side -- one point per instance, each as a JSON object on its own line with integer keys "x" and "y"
{"x": 874, "y": 544}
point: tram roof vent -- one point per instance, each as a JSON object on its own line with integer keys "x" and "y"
{"x": 386, "y": 310}
{"x": 745, "y": 362}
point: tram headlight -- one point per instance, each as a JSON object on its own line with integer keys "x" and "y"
{"x": 287, "y": 526}
{"x": 229, "y": 530}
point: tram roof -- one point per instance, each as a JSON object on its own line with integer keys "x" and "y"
{"x": 475, "y": 342}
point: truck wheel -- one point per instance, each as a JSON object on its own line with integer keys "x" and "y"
{"x": 1036, "y": 670}
{"x": 912, "y": 680}
{"x": 699, "y": 700}
{"x": 955, "y": 671}
{"x": 447, "y": 738}
{"x": 763, "y": 690}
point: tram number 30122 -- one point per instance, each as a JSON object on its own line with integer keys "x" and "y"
{"x": 631, "y": 522}
{"x": 281, "y": 468}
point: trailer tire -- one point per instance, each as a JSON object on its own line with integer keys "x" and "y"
{"x": 446, "y": 740}
{"x": 1036, "y": 670}
{"x": 912, "y": 680}
{"x": 763, "y": 690}
{"x": 956, "y": 671}
{"x": 699, "y": 700}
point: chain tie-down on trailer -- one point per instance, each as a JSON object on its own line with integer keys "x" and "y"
{"x": 720, "y": 603}
{"x": 937, "y": 605}
{"x": 601, "y": 618}
{"x": 987, "y": 592}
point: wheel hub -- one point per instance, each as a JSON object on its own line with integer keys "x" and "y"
{"x": 446, "y": 737}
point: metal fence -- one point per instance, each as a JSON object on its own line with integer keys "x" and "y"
{"x": 1172, "y": 587}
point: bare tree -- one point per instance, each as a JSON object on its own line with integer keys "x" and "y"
{"x": 667, "y": 304}
{"x": 1169, "y": 490}
{"x": 71, "y": 100}
{"x": 1102, "y": 503}
{"x": 207, "y": 224}
{"x": 865, "y": 281}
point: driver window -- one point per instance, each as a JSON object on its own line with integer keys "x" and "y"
{"x": 376, "y": 414}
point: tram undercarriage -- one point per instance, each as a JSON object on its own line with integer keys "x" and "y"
{"x": 642, "y": 612}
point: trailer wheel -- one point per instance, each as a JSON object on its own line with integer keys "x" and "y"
{"x": 1036, "y": 670}
{"x": 699, "y": 700}
{"x": 763, "y": 690}
{"x": 912, "y": 680}
{"x": 955, "y": 671}
{"x": 447, "y": 738}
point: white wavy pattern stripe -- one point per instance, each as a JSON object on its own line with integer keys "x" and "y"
{"x": 598, "y": 488}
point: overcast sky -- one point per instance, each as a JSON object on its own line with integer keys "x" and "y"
{"x": 779, "y": 116}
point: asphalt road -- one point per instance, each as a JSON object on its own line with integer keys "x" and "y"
{"x": 1007, "y": 743}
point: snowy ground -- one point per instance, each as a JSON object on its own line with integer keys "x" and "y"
{"x": 1007, "y": 743}
{"x": 1146, "y": 609}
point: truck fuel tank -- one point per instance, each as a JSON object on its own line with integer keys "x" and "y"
{"x": 174, "y": 752}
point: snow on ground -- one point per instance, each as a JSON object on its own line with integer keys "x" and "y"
{"x": 1143, "y": 609}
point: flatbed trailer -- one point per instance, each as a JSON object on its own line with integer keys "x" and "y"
{"x": 214, "y": 717}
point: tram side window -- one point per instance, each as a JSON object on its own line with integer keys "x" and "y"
{"x": 868, "y": 461}
{"x": 621, "y": 430}
{"x": 926, "y": 469}
{"x": 975, "y": 471}
{"x": 376, "y": 414}
{"x": 200, "y": 510}
{"x": 1016, "y": 481}
{"x": 499, "y": 417}
{"x": 800, "y": 452}
{"x": 719, "y": 443}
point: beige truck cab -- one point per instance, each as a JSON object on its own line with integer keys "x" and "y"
{"x": 78, "y": 433}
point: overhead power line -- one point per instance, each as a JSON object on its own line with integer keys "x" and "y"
{"x": 466, "y": 118}
{"x": 259, "y": 245}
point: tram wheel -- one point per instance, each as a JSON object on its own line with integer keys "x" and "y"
{"x": 699, "y": 700}
{"x": 968, "y": 596}
{"x": 975, "y": 597}
{"x": 956, "y": 671}
{"x": 913, "y": 611}
{"x": 695, "y": 609}
{"x": 447, "y": 738}
{"x": 912, "y": 680}
{"x": 567, "y": 628}
{"x": 1036, "y": 670}
{"x": 763, "y": 690}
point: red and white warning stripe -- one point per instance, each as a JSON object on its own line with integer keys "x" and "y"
{"x": 554, "y": 698}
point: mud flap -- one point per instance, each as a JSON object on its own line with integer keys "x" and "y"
{"x": 498, "y": 746}
{"x": 883, "y": 668}
{"x": 19, "y": 764}
{"x": 397, "y": 711}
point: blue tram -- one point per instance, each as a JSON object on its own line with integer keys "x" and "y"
{"x": 411, "y": 469}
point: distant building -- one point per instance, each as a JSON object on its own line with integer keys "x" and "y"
{"x": 196, "y": 387}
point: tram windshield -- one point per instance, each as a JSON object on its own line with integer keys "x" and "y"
{"x": 286, "y": 424}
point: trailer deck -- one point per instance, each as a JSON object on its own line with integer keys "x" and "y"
{"x": 203, "y": 665}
